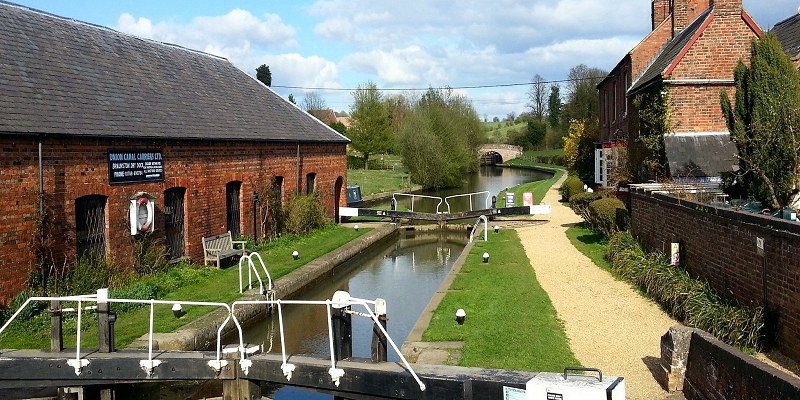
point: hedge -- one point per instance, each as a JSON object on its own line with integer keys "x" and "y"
{"x": 608, "y": 215}
{"x": 571, "y": 186}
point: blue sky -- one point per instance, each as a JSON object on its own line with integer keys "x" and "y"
{"x": 410, "y": 44}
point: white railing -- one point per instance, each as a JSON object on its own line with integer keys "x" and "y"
{"x": 251, "y": 269}
{"x": 478, "y": 224}
{"x": 417, "y": 196}
{"x": 148, "y": 365}
{"x": 470, "y": 196}
{"x": 340, "y": 299}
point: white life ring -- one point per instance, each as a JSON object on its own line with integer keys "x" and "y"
{"x": 144, "y": 215}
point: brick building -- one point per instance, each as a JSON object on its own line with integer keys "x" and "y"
{"x": 102, "y": 123}
{"x": 691, "y": 53}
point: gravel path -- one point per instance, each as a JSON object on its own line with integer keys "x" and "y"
{"x": 609, "y": 325}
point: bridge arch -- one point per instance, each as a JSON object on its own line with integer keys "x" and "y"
{"x": 506, "y": 152}
{"x": 491, "y": 158}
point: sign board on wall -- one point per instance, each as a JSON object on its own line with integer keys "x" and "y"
{"x": 130, "y": 166}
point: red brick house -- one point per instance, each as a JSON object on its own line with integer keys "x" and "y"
{"x": 99, "y": 121}
{"x": 691, "y": 54}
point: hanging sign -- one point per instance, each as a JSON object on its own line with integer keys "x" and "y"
{"x": 129, "y": 166}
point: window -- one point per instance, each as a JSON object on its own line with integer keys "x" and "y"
{"x": 173, "y": 222}
{"x": 614, "y": 100}
{"x": 311, "y": 183}
{"x": 624, "y": 94}
{"x": 90, "y": 226}
{"x": 232, "y": 207}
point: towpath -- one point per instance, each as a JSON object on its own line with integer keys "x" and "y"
{"x": 610, "y": 326}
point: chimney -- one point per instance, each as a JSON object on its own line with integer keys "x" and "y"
{"x": 686, "y": 11}
{"x": 727, "y": 7}
{"x": 659, "y": 12}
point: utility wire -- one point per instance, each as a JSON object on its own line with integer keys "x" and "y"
{"x": 440, "y": 87}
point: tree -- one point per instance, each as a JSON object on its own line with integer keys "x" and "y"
{"x": 765, "y": 124}
{"x": 582, "y": 100}
{"x": 579, "y": 147}
{"x": 439, "y": 138}
{"x": 291, "y": 99}
{"x": 536, "y": 97}
{"x": 313, "y": 101}
{"x": 264, "y": 75}
{"x": 537, "y": 129}
{"x": 339, "y": 127}
{"x": 370, "y": 129}
{"x": 554, "y": 106}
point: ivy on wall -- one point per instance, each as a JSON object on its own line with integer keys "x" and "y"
{"x": 654, "y": 106}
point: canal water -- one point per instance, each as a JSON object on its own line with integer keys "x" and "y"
{"x": 405, "y": 273}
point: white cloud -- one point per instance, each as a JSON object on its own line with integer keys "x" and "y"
{"x": 407, "y": 66}
{"x": 234, "y": 30}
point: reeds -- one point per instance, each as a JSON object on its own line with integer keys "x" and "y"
{"x": 686, "y": 299}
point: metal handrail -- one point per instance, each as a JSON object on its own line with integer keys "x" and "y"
{"x": 334, "y": 372}
{"x": 149, "y": 364}
{"x": 413, "y": 196}
{"x": 485, "y": 229}
{"x": 488, "y": 199}
{"x": 251, "y": 268}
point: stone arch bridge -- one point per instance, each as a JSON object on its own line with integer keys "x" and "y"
{"x": 492, "y": 154}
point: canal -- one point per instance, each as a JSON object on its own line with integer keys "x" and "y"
{"x": 405, "y": 273}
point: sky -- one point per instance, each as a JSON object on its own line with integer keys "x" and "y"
{"x": 331, "y": 47}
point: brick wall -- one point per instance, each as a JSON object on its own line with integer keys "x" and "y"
{"x": 79, "y": 167}
{"x": 719, "y": 246}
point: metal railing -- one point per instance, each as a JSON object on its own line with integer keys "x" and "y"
{"x": 251, "y": 269}
{"x": 415, "y": 196}
{"x": 340, "y": 299}
{"x": 478, "y": 224}
{"x": 149, "y": 364}
{"x": 470, "y": 196}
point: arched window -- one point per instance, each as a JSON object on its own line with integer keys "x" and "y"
{"x": 173, "y": 222}
{"x": 90, "y": 226}
{"x": 233, "y": 207}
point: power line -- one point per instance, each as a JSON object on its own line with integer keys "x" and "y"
{"x": 500, "y": 85}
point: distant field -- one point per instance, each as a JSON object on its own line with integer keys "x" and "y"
{"x": 497, "y": 132}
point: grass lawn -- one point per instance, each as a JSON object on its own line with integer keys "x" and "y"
{"x": 591, "y": 244}
{"x": 497, "y": 132}
{"x": 374, "y": 181}
{"x": 211, "y": 285}
{"x": 510, "y": 323}
{"x": 539, "y": 188}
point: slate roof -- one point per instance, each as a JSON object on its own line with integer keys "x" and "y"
{"x": 671, "y": 51}
{"x": 788, "y": 33}
{"x": 700, "y": 155}
{"x": 65, "y": 77}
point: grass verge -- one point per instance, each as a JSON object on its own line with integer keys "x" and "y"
{"x": 207, "y": 284}
{"x": 510, "y": 323}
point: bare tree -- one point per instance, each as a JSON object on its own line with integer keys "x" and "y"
{"x": 537, "y": 97}
{"x": 313, "y": 101}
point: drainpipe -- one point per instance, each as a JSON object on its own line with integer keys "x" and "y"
{"x": 41, "y": 179}
{"x": 298, "y": 191}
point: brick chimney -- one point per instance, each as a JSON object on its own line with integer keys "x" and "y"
{"x": 659, "y": 12}
{"x": 686, "y": 11}
{"x": 727, "y": 7}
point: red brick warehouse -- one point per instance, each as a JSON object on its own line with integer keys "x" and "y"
{"x": 96, "y": 120}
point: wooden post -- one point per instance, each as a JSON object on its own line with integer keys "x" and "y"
{"x": 103, "y": 327}
{"x": 379, "y": 342}
{"x": 342, "y": 333}
{"x": 56, "y": 326}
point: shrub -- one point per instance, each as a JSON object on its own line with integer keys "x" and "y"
{"x": 580, "y": 203}
{"x": 149, "y": 254}
{"x": 88, "y": 275}
{"x": 571, "y": 186}
{"x": 691, "y": 301}
{"x": 608, "y": 215}
{"x": 305, "y": 213}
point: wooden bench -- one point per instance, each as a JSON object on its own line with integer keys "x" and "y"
{"x": 219, "y": 247}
